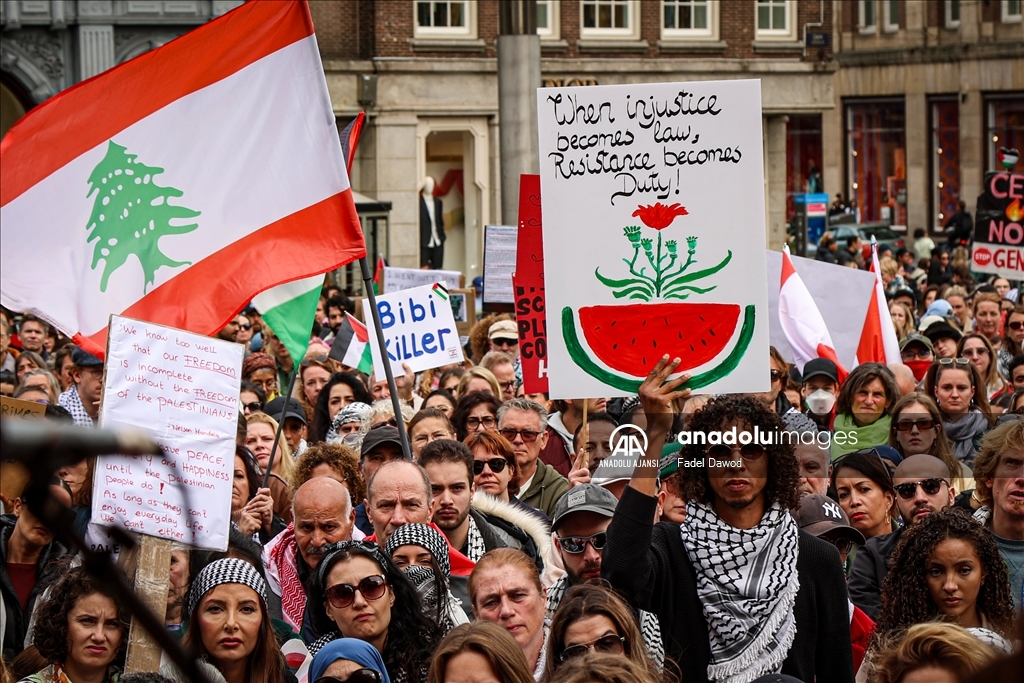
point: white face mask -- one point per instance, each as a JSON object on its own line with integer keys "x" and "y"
{"x": 820, "y": 402}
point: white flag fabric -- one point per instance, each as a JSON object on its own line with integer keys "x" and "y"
{"x": 801, "y": 320}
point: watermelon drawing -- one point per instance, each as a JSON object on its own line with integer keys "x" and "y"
{"x": 625, "y": 338}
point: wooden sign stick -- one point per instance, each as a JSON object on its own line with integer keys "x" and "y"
{"x": 152, "y": 580}
{"x": 583, "y": 433}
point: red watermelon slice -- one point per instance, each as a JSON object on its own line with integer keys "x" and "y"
{"x": 631, "y": 339}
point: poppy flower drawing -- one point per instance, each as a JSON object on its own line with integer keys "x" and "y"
{"x": 659, "y": 216}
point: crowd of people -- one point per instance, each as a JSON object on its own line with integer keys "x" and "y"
{"x": 878, "y": 534}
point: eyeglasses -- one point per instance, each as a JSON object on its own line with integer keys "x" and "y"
{"x": 505, "y": 342}
{"x": 750, "y": 451}
{"x": 1016, "y": 325}
{"x": 358, "y": 676}
{"x": 577, "y": 544}
{"x": 909, "y": 354}
{"x": 342, "y": 595}
{"x": 317, "y": 359}
{"x": 253, "y": 407}
{"x": 511, "y": 384}
{"x": 954, "y": 361}
{"x": 776, "y": 375}
{"x": 842, "y": 544}
{"x": 496, "y": 465}
{"x": 974, "y": 353}
{"x": 929, "y": 486}
{"x": 487, "y": 421}
{"x": 923, "y": 425}
{"x": 609, "y": 644}
{"x": 529, "y": 436}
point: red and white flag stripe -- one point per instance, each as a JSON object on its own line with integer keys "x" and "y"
{"x": 878, "y": 341}
{"x": 801, "y": 321}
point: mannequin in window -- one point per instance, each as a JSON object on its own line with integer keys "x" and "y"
{"x": 431, "y": 227}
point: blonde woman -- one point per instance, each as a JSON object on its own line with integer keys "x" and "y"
{"x": 260, "y": 433}
{"x": 315, "y": 371}
{"x": 479, "y": 379}
{"x": 902, "y": 319}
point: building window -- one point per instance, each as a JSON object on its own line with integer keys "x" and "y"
{"x": 803, "y": 158}
{"x": 1004, "y": 127}
{"x": 1012, "y": 11}
{"x": 876, "y": 153}
{"x": 444, "y": 17}
{"x": 866, "y": 18}
{"x": 945, "y": 160}
{"x": 607, "y": 18}
{"x": 952, "y": 13}
{"x": 892, "y": 15}
{"x": 686, "y": 17}
{"x": 776, "y": 19}
{"x": 546, "y": 19}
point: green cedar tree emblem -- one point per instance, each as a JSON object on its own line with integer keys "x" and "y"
{"x": 131, "y": 213}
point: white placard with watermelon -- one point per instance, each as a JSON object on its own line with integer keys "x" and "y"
{"x": 654, "y": 235}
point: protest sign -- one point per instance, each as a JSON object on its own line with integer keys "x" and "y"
{"x": 419, "y": 329}
{"x": 13, "y": 475}
{"x": 841, "y": 294}
{"x": 182, "y": 389}
{"x": 398, "y": 279}
{"x": 21, "y": 410}
{"x": 654, "y": 235}
{"x": 463, "y": 302}
{"x": 528, "y": 283}
{"x": 499, "y": 263}
{"x": 999, "y": 226}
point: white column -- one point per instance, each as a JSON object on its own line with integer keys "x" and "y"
{"x": 95, "y": 49}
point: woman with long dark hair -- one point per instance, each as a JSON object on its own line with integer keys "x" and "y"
{"x": 977, "y": 349}
{"x": 863, "y": 485}
{"x": 475, "y": 412}
{"x": 917, "y": 428}
{"x": 342, "y": 389}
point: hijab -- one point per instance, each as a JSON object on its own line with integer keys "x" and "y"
{"x": 352, "y": 649}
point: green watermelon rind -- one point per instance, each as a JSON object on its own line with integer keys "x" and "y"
{"x": 583, "y": 360}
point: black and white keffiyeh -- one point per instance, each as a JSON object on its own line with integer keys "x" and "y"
{"x": 228, "y": 570}
{"x": 747, "y": 582}
{"x": 353, "y": 412}
{"x": 72, "y": 402}
{"x": 475, "y": 547}
{"x": 425, "y": 537}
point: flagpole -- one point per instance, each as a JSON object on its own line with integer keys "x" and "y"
{"x": 364, "y": 266}
{"x": 280, "y": 425}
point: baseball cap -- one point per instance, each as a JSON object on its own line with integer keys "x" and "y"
{"x": 941, "y": 308}
{"x": 821, "y": 366}
{"x": 294, "y": 409}
{"x": 919, "y": 338}
{"x": 503, "y": 329}
{"x": 818, "y": 515}
{"x": 84, "y": 359}
{"x": 380, "y": 435}
{"x": 585, "y": 498}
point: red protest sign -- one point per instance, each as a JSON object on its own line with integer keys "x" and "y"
{"x": 528, "y": 287}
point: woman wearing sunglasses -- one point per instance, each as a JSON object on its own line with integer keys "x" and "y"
{"x": 1013, "y": 340}
{"x": 348, "y": 660}
{"x": 917, "y": 428}
{"x": 864, "y": 487}
{"x": 862, "y": 409}
{"x": 959, "y": 391}
{"x": 368, "y": 598}
{"x": 475, "y": 412}
{"x": 592, "y": 619}
{"x": 483, "y": 648}
{"x": 977, "y": 349}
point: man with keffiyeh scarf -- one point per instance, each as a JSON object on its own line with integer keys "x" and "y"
{"x": 738, "y": 589}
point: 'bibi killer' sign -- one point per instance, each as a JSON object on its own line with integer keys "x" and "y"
{"x": 419, "y": 329}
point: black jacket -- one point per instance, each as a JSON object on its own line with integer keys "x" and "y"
{"x": 15, "y": 619}
{"x": 870, "y": 565}
{"x": 500, "y": 533}
{"x": 425, "y": 222}
{"x": 648, "y": 563}
{"x": 825, "y": 254}
{"x": 960, "y": 227}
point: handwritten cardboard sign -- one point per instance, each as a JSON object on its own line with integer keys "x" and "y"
{"x": 398, "y": 279}
{"x": 419, "y": 329}
{"x": 182, "y": 389}
{"x": 999, "y": 226}
{"x": 654, "y": 235}
{"x": 499, "y": 263}
{"x": 21, "y": 410}
{"x": 528, "y": 285}
{"x": 13, "y": 475}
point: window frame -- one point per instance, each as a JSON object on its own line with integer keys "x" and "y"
{"x": 1006, "y": 17}
{"x": 862, "y": 26}
{"x": 776, "y": 34}
{"x": 709, "y": 33}
{"x": 554, "y": 30}
{"x": 442, "y": 32}
{"x": 947, "y": 13}
{"x": 890, "y": 23}
{"x": 631, "y": 33}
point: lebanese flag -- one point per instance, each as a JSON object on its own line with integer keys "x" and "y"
{"x": 878, "y": 342}
{"x": 801, "y": 320}
{"x": 176, "y": 187}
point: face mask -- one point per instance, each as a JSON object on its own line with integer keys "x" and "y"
{"x": 918, "y": 367}
{"x": 820, "y": 402}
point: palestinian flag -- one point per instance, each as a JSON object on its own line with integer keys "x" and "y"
{"x": 289, "y": 309}
{"x": 351, "y": 345}
{"x": 177, "y": 186}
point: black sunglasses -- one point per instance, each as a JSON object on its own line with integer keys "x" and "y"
{"x": 929, "y": 486}
{"x": 529, "y": 436}
{"x": 923, "y": 425}
{"x": 363, "y": 675}
{"x": 245, "y": 326}
{"x": 776, "y": 375}
{"x": 577, "y": 544}
{"x": 496, "y": 465}
{"x": 609, "y": 644}
{"x": 253, "y": 407}
{"x": 342, "y": 595}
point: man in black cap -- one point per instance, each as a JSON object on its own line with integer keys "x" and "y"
{"x": 294, "y": 430}
{"x": 82, "y": 399}
{"x": 943, "y": 336}
{"x": 819, "y": 390}
{"x": 380, "y": 445}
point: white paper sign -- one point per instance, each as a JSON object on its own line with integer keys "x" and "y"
{"x": 419, "y": 330}
{"x": 182, "y": 389}
{"x": 398, "y": 279}
{"x": 654, "y": 235}
{"x": 499, "y": 263}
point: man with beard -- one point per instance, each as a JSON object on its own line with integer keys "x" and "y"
{"x": 449, "y": 465}
{"x": 922, "y": 485}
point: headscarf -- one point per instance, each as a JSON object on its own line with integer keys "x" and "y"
{"x": 353, "y": 412}
{"x": 425, "y": 537}
{"x": 258, "y": 361}
{"x": 352, "y": 649}
{"x": 228, "y": 570}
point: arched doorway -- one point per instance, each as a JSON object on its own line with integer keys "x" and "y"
{"x": 14, "y": 102}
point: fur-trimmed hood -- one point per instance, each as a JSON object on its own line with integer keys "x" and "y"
{"x": 530, "y": 524}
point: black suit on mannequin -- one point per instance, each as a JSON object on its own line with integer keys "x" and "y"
{"x": 431, "y": 257}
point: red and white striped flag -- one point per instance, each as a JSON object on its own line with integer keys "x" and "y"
{"x": 878, "y": 341}
{"x": 801, "y": 321}
{"x": 177, "y": 186}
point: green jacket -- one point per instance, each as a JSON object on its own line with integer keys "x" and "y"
{"x": 545, "y": 489}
